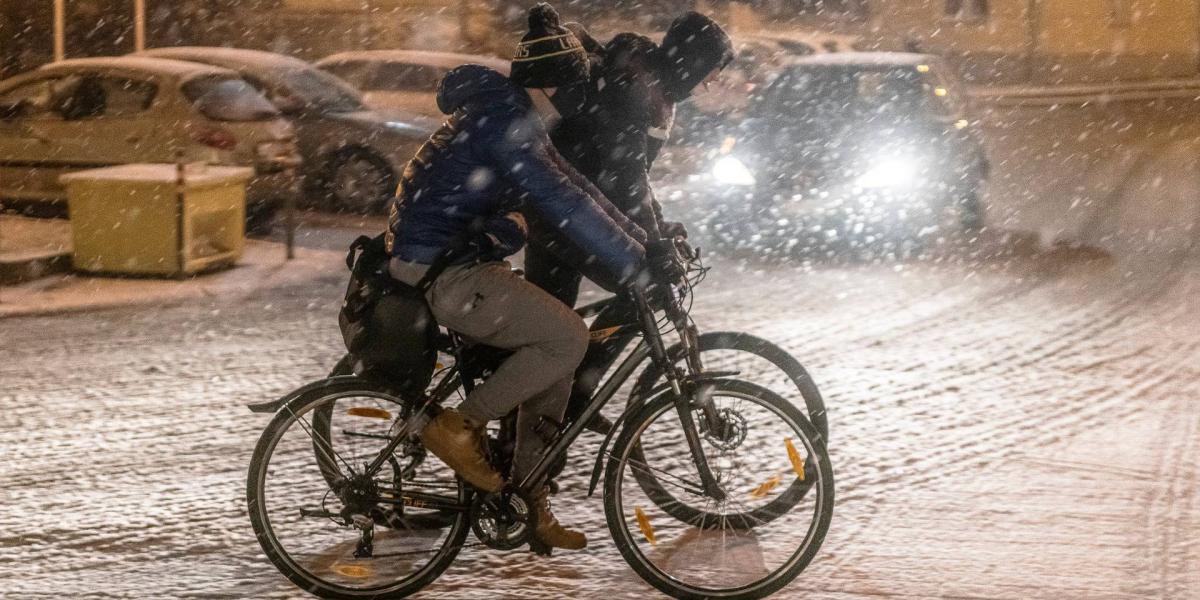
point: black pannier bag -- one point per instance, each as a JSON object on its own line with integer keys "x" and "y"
{"x": 386, "y": 324}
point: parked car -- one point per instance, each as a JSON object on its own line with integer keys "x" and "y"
{"x": 93, "y": 112}
{"x": 849, "y": 146}
{"x": 352, "y": 154}
{"x": 401, "y": 79}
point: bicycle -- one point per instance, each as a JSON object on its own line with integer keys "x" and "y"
{"x": 423, "y": 510}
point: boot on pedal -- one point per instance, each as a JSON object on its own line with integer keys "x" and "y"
{"x": 459, "y": 441}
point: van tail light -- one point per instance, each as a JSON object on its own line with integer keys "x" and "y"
{"x": 215, "y": 137}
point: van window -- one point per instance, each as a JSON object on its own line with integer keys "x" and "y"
{"x": 228, "y": 99}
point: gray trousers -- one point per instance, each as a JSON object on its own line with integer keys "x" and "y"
{"x": 489, "y": 304}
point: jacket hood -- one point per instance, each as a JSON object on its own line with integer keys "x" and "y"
{"x": 467, "y": 82}
{"x": 693, "y": 46}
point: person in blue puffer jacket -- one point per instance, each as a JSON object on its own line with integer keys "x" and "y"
{"x": 490, "y": 160}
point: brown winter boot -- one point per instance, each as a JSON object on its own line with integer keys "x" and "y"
{"x": 459, "y": 442}
{"x": 550, "y": 533}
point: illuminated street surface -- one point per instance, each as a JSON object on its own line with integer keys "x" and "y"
{"x": 1019, "y": 425}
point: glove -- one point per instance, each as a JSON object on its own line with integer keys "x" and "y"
{"x": 662, "y": 262}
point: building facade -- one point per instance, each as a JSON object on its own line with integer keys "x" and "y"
{"x": 1050, "y": 41}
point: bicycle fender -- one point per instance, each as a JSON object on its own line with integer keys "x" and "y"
{"x": 275, "y": 405}
{"x": 634, "y": 406}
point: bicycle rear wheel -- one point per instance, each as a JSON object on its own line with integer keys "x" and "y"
{"x": 730, "y": 553}
{"x": 386, "y": 535}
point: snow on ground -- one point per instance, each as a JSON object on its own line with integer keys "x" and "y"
{"x": 1003, "y": 424}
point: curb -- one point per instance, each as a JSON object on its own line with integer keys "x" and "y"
{"x": 262, "y": 268}
{"x": 29, "y": 268}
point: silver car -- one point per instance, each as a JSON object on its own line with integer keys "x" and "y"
{"x": 93, "y": 112}
{"x": 401, "y": 79}
{"x": 352, "y": 154}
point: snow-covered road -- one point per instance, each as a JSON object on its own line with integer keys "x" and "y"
{"x": 1006, "y": 422}
{"x": 1023, "y": 426}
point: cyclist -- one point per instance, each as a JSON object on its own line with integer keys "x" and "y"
{"x": 632, "y": 93}
{"x": 492, "y": 152}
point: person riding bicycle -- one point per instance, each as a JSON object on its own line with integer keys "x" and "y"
{"x": 633, "y": 89}
{"x": 467, "y": 183}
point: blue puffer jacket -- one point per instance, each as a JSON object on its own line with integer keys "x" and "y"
{"x": 492, "y": 154}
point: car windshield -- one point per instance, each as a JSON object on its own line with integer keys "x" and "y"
{"x": 228, "y": 99}
{"x": 832, "y": 92}
{"x": 320, "y": 91}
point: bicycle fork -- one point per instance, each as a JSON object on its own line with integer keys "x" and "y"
{"x": 683, "y": 397}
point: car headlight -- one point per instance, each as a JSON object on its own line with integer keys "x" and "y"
{"x": 730, "y": 171}
{"x": 889, "y": 173}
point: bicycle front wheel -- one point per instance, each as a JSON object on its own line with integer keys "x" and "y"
{"x": 729, "y": 551}
{"x": 383, "y": 534}
{"x": 768, "y": 365}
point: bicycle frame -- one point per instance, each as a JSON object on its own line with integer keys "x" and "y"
{"x": 652, "y": 345}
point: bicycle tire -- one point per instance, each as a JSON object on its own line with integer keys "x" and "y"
{"x": 811, "y": 544}
{"x": 272, "y": 548}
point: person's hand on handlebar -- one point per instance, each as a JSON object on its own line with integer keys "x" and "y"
{"x": 663, "y": 263}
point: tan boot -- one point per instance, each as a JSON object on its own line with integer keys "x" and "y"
{"x": 549, "y": 531}
{"x": 459, "y": 443}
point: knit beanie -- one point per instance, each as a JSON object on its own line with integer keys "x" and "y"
{"x": 549, "y": 55}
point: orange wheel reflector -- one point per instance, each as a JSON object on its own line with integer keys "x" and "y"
{"x": 766, "y": 487}
{"x": 644, "y": 524}
{"x": 352, "y": 571}
{"x": 797, "y": 460}
{"x": 370, "y": 412}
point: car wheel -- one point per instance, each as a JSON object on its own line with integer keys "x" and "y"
{"x": 360, "y": 182}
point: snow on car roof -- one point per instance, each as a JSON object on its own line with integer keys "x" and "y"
{"x": 238, "y": 59}
{"x": 864, "y": 59}
{"x": 447, "y": 60}
{"x": 157, "y": 66}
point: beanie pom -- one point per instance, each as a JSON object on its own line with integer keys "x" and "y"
{"x": 543, "y": 16}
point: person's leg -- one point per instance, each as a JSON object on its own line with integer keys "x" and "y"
{"x": 531, "y": 439}
{"x": 489, "y": 304}
{"x": 600, "y": 355}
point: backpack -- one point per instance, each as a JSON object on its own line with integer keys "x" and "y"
{"x": 387, "y": 324}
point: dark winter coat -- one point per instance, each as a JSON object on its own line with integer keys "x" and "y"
{"x": 491, "y": 157}
{"x": 634, "y": 86}
{"x": 616, "y": 138}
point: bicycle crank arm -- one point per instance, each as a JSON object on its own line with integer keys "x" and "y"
{"x": 319, "y": 514}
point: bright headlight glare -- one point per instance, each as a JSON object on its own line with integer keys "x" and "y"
{"x": 889, "y": 173}
{"x": 731, "y": 171}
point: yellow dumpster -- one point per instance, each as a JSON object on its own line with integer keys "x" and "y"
{"x": 157, "y": 219}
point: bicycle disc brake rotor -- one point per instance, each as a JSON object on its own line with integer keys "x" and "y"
{"x": 504, "y": 520}
{"x": 729, "y": 432}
